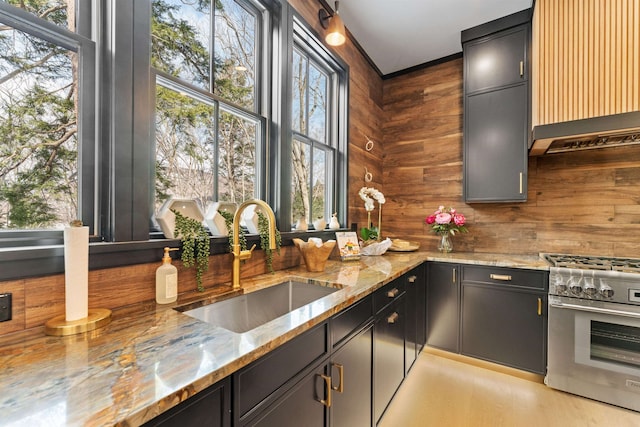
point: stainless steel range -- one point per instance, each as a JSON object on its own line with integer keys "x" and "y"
{"x": 594, "y": 328}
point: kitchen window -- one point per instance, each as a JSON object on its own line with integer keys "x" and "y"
{"x": 163, "y": 98}
{"x": 209, "y": 127}
{"x": 47, "y": 128}
{"x": 318, "y": 123}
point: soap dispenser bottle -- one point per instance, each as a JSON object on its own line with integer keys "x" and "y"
{"x": 167, "y": 280}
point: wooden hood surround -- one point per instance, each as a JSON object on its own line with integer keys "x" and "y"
{"x": 586, "y": 64}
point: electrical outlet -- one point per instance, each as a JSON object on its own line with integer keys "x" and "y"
{"x": 5, "y": 307}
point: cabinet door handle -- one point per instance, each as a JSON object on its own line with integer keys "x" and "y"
{"x": 520, "y": 182}
{"x": 521, "y": 68}
{"x": 327, "y": 388}
{"x": 340, "y": 387}
{"x": 539, "y": 306}
{"x": 393, "y": 317}
{"x": 453, "y": 277}
{"x": 504, "y": 277}
{"x": 412, "y": 279}
{"x": 393, "y": 293}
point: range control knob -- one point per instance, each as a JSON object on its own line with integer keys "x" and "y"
{"x": 574, "y": 285}
{"x": 605, "y": 290}
{"x": 559, "y": 284}
{"x": 589, "y": 287}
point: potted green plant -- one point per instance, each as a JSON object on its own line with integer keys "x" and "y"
{"x": 195, "y": 245}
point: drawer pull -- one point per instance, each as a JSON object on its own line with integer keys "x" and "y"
{"x": 539, "y": 306}
{"x": 393, "y": 293}
{"x": 340, "y": 387}
{"x": 327, "y": 388}
{"x": 504, "y": 277}
{"x": 453, "y": 278}
{"x": 521, "y": 68}
{"x": 412, "y": 279}
{"x": 392, "y": 319}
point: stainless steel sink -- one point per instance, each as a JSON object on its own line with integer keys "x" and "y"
{"x": 246, "y": 312}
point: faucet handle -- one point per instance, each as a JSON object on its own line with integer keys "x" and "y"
{"x": 246, "y": 254}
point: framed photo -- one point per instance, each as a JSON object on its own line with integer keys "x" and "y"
{"x": 348, "y": 245}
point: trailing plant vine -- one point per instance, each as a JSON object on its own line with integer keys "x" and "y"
{"x": 263, "y": 228}
{"x": 228, "y": 221}
{"x": 195, "y": 245}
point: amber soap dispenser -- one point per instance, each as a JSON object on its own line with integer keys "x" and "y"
{"x": 167, "y": 280}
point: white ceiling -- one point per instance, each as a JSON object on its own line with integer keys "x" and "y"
{"x": 399, "y": 34}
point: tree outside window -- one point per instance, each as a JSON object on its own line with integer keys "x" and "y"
{"x": 39, "y": 122}
{"x": 208, "y": 129}
{"x": 313, "y": 152}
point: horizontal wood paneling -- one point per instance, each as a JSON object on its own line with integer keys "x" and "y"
{"x": 582, "y": 202}
{"x": 586, "y": 59}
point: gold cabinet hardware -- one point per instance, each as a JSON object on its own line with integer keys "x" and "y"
{"x": 327, "y": 388}
{"x": 412, "y": 279}
{"x": 393, "y": 293}
{"x": 539, "y": 306}
{"x": 521, "y": 68}
{"x": 520, "y": 182}
{"x": 504, "y": 277}
{"x": 453, "y": 277}
{"x": 340, "y": 387}
{"x": 393, "y": 317}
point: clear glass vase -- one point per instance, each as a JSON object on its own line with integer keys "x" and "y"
{"x": 445, "y": 244}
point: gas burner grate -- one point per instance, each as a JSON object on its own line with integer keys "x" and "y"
{"x": 585, "y": 262}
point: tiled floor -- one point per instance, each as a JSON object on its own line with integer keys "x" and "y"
{"x": 447, "y": 393}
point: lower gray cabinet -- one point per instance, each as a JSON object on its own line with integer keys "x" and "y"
{"x": 305, "y": 404}
{"x": 492, "y": 313}
{"x": 388, "y": 355}
{"x": 416, "y": 324}
{"x": 503, "y": 315}
{"x": 443, "y": 305}
{"x": 209, "y": 408}
{"x": 351, "y": 381}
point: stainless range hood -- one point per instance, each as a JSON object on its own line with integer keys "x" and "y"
{"x": 598, "y": 132}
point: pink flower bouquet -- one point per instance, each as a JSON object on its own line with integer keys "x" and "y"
{"x": 447, "y": 220}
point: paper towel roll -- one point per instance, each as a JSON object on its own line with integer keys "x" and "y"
{"x": 76, "y": 272}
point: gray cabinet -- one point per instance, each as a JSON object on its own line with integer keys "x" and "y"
{"x": 495, "y": 60}
{"x": 320, "y": 378}
{"x": 388, "y": 355}
{"x": 351, "y": 381}
{"x": 209, "y": 408}
{"x": 504, "y": 316}
{"x": 416, "y": 324}
{"x": 264, "y": 382}
{"x": 493, "y": 313}
{"x": 388, "y": 345}
{"x": 443, "y": 302}
{"x": 497, "y": 110}
{"x": 304, "y": 404}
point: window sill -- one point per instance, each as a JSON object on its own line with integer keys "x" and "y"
{"x": 33, "y": 261}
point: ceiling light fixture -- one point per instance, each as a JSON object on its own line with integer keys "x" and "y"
{"x": 334, "y": 25}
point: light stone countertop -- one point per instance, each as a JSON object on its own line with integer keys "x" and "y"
{"x": 151, "y": 357}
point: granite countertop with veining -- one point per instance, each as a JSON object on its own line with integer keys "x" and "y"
{"x": 151, "y": 357}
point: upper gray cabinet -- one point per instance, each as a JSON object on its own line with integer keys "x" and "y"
{"x": 497, "y": 109}
{"x": 496, "y": 61}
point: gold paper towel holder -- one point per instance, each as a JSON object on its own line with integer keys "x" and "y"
{"x": 59, "y": 326}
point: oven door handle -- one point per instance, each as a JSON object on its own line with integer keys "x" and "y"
{"x": 595, "y": 310}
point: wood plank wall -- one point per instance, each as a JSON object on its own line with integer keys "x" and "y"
{"x": 586, "y": 59}
{"x": 584, "y": 202}
{"x": 37, "y": 300}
